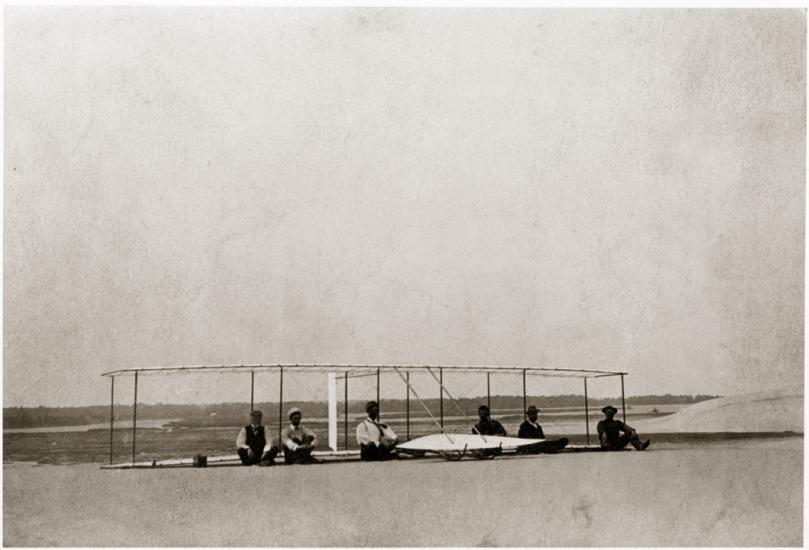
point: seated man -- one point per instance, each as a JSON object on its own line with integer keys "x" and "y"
{"x": 530, "y": 429}
{"x": 252, "y": 444}
{"x": 487, "y": 426}
{"x": 609, "y": 433}
{"x": 298, "y": 441}
{"x": 376, "y": 440}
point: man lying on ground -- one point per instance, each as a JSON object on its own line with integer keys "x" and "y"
{"x": 298, "y": 440}
{"x": 376, "y": 440}
{"x": 609, "y": 433}
{"x": 530, "y": 429}
{"x": 252, "y": 444}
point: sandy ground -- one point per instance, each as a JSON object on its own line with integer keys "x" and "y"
{"x": 725, "y": 493}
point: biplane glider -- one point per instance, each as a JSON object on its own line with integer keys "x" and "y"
{"x": 452, "y": 446}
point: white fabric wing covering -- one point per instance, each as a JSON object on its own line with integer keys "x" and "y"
{"x": 459, "y": 442}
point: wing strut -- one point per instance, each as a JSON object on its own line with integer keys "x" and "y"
{"x": 454, "y": 401}
{"x": 426, "y": 408}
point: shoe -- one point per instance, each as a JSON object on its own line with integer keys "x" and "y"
{"x": 645, "y": 445}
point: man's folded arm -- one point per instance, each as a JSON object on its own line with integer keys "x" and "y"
{"x": 363, "y": 438}
{"x": 241, "y": 440}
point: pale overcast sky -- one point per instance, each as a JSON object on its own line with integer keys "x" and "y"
{"x": 608, "y": 189}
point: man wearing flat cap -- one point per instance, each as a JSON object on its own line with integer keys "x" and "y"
{"x": 486, "y": 425}
{"x": 614, "y": 435}
{"x": 253, "y": 445}
{"x": 298, "y": 441}
{"x": 376, "y": 440}
{"x": 530, "y": 429}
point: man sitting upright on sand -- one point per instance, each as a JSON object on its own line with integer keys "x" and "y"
{"x": 298, "y": 440}
{"x": 530, "y": 429}
{"x": 377, "y": 440}
{"x": 609, "y": 433}
{"x": 486, "y": 425}
{"x": 252, "y": 444}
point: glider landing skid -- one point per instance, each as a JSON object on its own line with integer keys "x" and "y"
{"x": 452, "y": 456}
{"x": 481, "y": 454}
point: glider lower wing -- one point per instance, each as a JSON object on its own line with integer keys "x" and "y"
{"x": 439, "y": 443}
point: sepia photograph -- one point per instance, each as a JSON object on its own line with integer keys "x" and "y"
{"x": 459, "y": 276}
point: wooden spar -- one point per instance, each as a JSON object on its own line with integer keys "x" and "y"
{"x": 407, "y": 406}
{"x": 489, "y": 390}
{"x": 586, "y": 413}
{"x": 379, "y": 415}
{"x": 280, "y": 405}
{"x": 441, "y": 395}
{"x": 134, "y": 417}
{"x": 331, "y": 388}
{"x": 252, "y": 385}
{"x": 623, "y": 399}
{"x": 524, "y": 397}
{"x": 112, "y": 414}
{"x": 542, "y": 371}
{"x": 345, "y": 408}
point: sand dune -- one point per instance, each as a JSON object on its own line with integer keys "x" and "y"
{"x": 768, "y": 411}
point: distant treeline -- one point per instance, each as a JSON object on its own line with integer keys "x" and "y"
{"x": 227, "y": 414}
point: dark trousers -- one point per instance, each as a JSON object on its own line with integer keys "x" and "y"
{"x": 267, "y": 458}
{"x": 376, "y": 452}
{"x": 300, "y": 456}
{"x": 550, "y": 446}
{"x": 623, "y": 441}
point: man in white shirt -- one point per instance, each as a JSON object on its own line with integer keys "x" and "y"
{"x": 376, "y": 440}
{"x": 253, "y": 445}
{"x": 298, "y": 440}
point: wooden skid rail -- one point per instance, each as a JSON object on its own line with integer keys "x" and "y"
{"x": 224, "y": 460}
{"x": 326, "y": 456}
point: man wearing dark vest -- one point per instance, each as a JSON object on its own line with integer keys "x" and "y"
{"x": 530, "y": 429}
{"x": 252, "y": 444}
